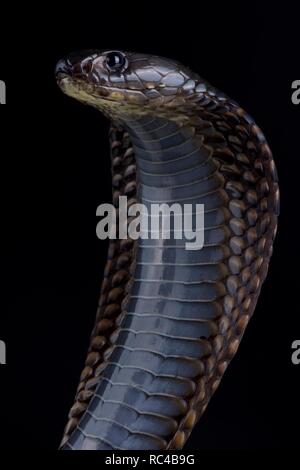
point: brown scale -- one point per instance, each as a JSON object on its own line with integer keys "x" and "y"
{"x": 113, "y": 288}
{"x": 252, "y": 232}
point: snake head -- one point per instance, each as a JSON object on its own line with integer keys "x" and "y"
{"x": 123, "y": 83}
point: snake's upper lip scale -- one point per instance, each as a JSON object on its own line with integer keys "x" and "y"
{"x": 60, "y": 76}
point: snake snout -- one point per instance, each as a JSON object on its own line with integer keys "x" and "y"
{"x": 76, "y": 63}
{"x": 63, "y": 67}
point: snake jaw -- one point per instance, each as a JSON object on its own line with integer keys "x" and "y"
{"x": 119, "y": 105}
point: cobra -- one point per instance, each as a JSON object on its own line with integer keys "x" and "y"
{"x": 170, "y": 320}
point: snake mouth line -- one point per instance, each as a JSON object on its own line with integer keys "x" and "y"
{"x": 95, "y": 95}
{"x": 101, "y": 97}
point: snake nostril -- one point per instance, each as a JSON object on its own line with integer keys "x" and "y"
{"x": 63, "y": 66}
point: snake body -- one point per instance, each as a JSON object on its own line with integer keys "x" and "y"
{"x": 170, "y": 320}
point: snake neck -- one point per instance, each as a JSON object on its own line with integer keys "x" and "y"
{"x": 170, "y": 320}
{"x": 164, "y": 153}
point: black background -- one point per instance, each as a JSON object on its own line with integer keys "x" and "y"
{"x": 55, "y": 171}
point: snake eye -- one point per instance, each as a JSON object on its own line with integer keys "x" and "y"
{"x": 115, "y": 61}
